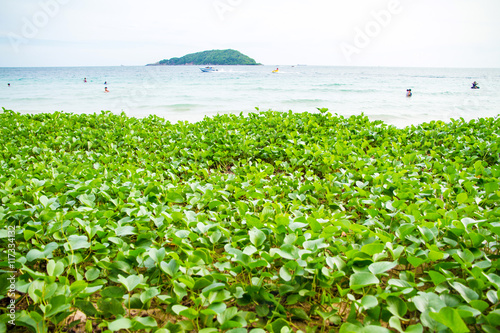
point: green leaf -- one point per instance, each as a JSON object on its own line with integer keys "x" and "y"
{"x": 363, "y": 279}
{"x": 418, "y": 328}
{"x": 277, "y": 325}
{"x": 257, "y": 237}
{"x": 299, "y": 313}
{"x": 141, "y": 323}
{"x": 395, "y": 323}
{"x": 437, "y": 278}
{"x": 125, "y": 230}
{"x": 466, "y": 256}
{"x": 148, "y": 294}
{"x": 374, "y": 329}
{"x": 112, "y": 292}
{"x": 315, "y": 245}
{"x": 46, "y": 253}
{"x": 451, "y": 319}
{"x": 78, "y": 286}
{"x": 174, "y": 197}
{"x": 110, "y": 306}
{"x": 227, "y": 315}
{"x": 396, "y": 306}
{"x": 491, "y": 187}
{"x": 202, "y": 282}
{"x": 177, "y": 309}
{"x": 213, "y": 287}
{"x": 467, "y": 293}
{"x": 92, "y": 274}
{"x": 180, "y": 290}
{"x": 171, "y": 268}
{"x": 462, "y": 197}
{"x": 55, "y": 269}
{"x": 373, "y": 248}
{"x": 262, "y": 310}
{"x": 58, "y": 304}
{"x": 157, "y": 254}
{"x": 381, "y": 267}
{"x": 285, "y": 274}
{"x": 209, "y": 330}
{"x": 493, "y": 278}
{"x": 218, "y": 308}
{"x": 415, "y": 262}
{"x": 34, "y": 322}
{"x": 258, "y": 263}
{"x": 131, "y": 282}
{"x": 87, "y": 200}
{"x": 76, "y": 242}
{"x": 86, "y": 307}
{"x": 120, "y": 324}
{"x": 369, "y": 301}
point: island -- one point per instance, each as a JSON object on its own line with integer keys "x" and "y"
{"x": 212, "y": 57}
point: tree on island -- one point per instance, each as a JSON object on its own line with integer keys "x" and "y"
{"x": 213, "y": 57}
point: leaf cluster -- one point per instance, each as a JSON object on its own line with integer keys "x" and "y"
{"x": 265, "y": 222}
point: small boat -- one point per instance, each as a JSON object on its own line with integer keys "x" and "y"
{"x": 208, "y": 69}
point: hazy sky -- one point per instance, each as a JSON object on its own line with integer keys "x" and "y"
{"x": 443, "y": 33}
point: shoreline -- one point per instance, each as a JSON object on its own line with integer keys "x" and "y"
{"x": 402, "y": 121}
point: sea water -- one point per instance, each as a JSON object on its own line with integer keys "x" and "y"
{"x": 186, "y": 93}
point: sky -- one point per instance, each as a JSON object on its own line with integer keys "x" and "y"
{"x": 395, "y": 33}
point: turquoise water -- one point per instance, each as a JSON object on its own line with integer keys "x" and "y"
{"x": 185, "y": 93}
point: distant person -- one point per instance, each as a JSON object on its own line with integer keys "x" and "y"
{"x": 474, "y": 85}
{"x": 105, "y": 82}
{"x": 8, "y": 84}
{"x": 106, "y": 89}
{"x": 85, "y": 79}
{"x": 408, "y": 93}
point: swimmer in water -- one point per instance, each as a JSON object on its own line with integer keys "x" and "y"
{"x": 8, "y": 84}
{"x": 85, "y": 79}
{"x": 408, "y": 93}
{"x": 106, "y": 89}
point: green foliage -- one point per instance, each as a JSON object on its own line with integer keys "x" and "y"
{"x": 270, "y": 222}
{"x": 212, "y": 57}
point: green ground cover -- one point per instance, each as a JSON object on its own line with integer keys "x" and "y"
{"x": 272, "y": 222}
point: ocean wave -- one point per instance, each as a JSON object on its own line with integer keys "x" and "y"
{"x": 305, "y": 100}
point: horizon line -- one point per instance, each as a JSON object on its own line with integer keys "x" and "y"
{"x": 288, "y": 65}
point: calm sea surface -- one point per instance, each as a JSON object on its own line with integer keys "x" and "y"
{"x": 185, "y": 93}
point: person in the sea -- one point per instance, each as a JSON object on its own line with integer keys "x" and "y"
{"x": 84, "y": 79}
{"x": 474, "y": 85}
{"x": 106, "y": 89}
{"x": 105, "y": 82}
{"x": 408, "y": 93}
{"x": 8, "y": 84}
